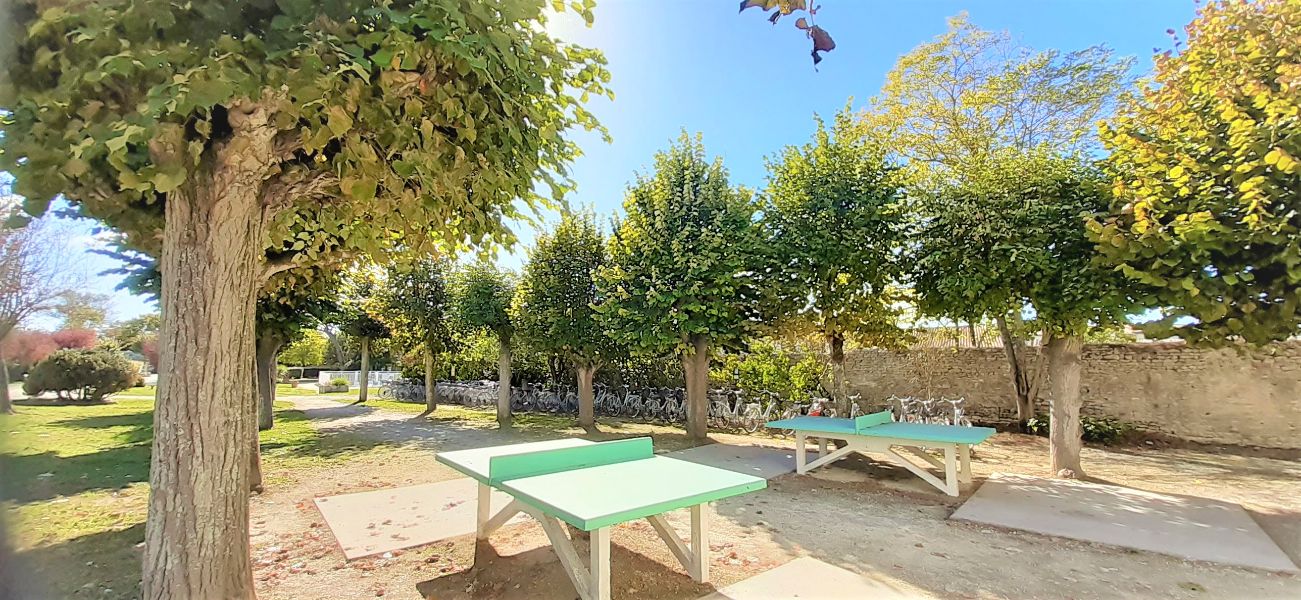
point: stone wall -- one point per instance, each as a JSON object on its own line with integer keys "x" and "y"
{"x": 1226, "y": 396}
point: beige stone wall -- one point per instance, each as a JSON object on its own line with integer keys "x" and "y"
{"x": 1227, "y": 396}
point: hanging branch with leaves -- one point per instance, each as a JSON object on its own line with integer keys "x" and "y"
{"x": 822, "y": 41}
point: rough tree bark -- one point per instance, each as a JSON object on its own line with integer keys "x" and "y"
{"x": 1025, "y": 386}
{"x": 586, "y": 398}
{"x": 268, "y": 348}
{"x": 503, "y": 383}
{"x": 196, "y": 534}
{"x": 1064, "y": 436}
{"x": 695, "y": 367}
{"x": 836, "y": 351}
{"x": 6, "y": 403}
{"x": 431, "y": 385}
{"x": 363, "y": 380}
{"x": 255, "y": 451}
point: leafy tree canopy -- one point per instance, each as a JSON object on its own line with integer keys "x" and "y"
{"x": 481, "y": 298}
{"x": 557, "y": 298}
{"x": 835, "y": 228}
{"x": 414, "y": 121}
{"x": 288, "y": 309}
{"x": 1013, "y": 234}
{"x": 959, "y": 99}
{"x": 683, "y": 259}
{"x": 359, "y": 304}
{"x": 1207, "y": 164}
{"x": 83, "y": 310}
{"x": 417, "y": 304}
{"x": 307, "y": 351}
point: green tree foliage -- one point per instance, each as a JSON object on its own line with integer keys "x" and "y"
{"x": 261, "y": 136}
{"x": 284, "y": 312}
{"x": 92, "y": 374}
{"x": 1010, "y": 235}
{"x": 1207, "y": 164}
{"x": 417, "y": 309}
{"x": 131, "y": 333}
{"x": 957, "y": 100}
{"x": 481, "y": 302}
{"x": 955, "y": 103}
{"x": 356, "y": 312}
{"x": 482, "y": 296}
{"x": 769, "y": 367}
{"x": 835, "y": 230}
{"x": 681, "y": 272}
{"x": 557, "y": 298}
{"x": 83, "y": 310}
{"x": 306, "y": 351}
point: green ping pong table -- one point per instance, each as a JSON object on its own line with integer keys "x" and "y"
{"x": 592, "y": 487}
{"x": 878, "y": 432}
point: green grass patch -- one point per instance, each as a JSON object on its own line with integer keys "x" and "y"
{"x": 75, "y": 489}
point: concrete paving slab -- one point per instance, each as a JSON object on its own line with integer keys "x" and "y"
{"x": 1184, "y": 526}
{"x": 760, "y": 461}
{"x": 810, "y": 578}
{"x": 379, "y": 521}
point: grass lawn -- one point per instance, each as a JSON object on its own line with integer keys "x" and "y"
{"x": 74, "y": 485}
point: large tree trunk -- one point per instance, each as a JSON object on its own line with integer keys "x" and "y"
{"x": 6, "y": 403}
{"x": 255, "y": 452}
{"x": 268, "y": 347}
{"x": 695, "y": 367}
{"x": 364, "y": 377}
{"x": 586, "y": 399}
{"x": 503, "y": 384}
{"x": 1064, "y": 436}
{"x": 1024, "y": 385}
{"x": 431, "y": 385}
{"x": 196, "y": 534}
{"x": 836, "y": 351}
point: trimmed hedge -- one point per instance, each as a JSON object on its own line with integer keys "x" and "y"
{"x": 92, "y": 374}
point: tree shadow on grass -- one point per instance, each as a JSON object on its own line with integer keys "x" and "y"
{"x": 141, "y": 425}
{"x": 84, "y": 567}
{"x": 35, "y": 477}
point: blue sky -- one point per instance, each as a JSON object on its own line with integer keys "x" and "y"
{"x": 750, "y": 88}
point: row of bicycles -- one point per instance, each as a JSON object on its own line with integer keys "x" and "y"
{"x": 728, "y": 409}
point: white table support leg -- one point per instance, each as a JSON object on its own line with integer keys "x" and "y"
{"x": 592, "y": 582}
{"x": 483, "y": 513}
{"x": 800, "y": 458}
{"x": 700, "y": 543}
{"x": 951, "y": 469}
{"x": 964, "y": 458}
{"x": 599, "y": 563}
{"x": 695, "y": 559}
{"x": 822, "y": 447}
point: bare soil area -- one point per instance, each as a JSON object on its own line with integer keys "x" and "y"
{"x": 861, "y": 515}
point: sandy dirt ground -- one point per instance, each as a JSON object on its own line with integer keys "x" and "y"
{"x": 861, "y": 515}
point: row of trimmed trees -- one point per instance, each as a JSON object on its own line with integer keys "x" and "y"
{"x": 255, "y": 167}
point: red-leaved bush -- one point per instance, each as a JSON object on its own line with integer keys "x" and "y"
{"x": 26, "y": 348}
{"x": 73, "y": 338}
{"x": 149, "y": 348}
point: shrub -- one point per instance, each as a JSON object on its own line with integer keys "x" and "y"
{"x": 769, "y": 367}
{"x": 339, "y": 381}
{"x": 1097, "y": 430}
{"x": 92, "y": 374}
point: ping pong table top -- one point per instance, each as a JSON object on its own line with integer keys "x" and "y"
{"x": 919, "y": 432}
{"x": 613, "y": 482}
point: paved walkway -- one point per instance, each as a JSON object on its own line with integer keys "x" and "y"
{"x": 394, "y": 427}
